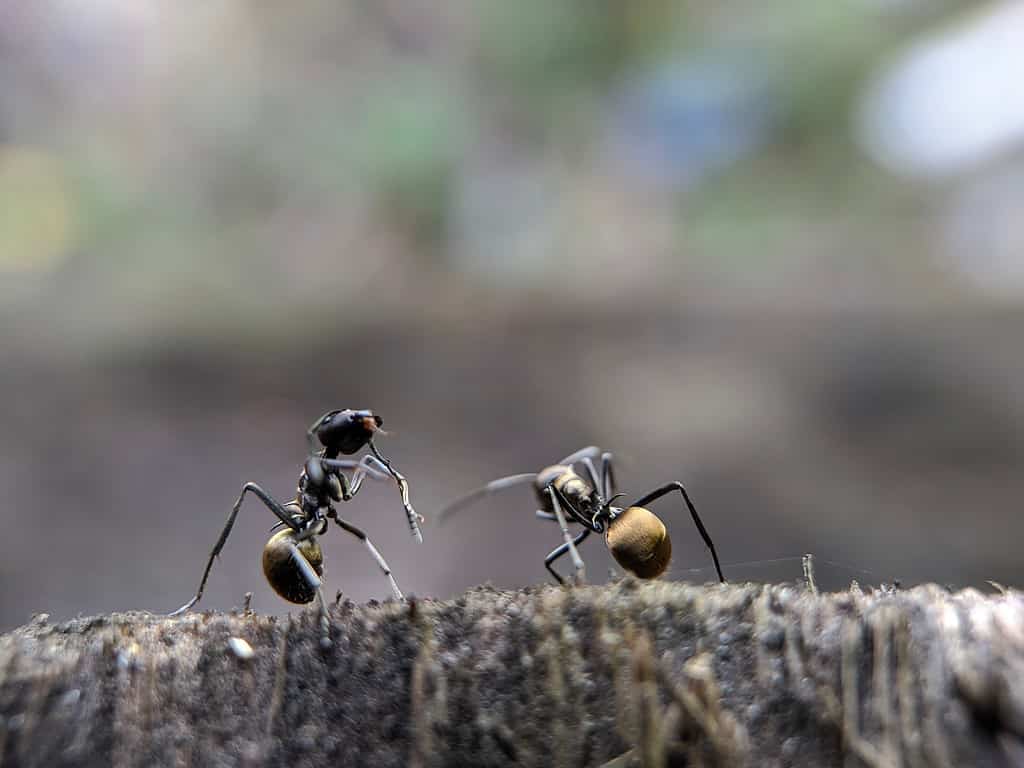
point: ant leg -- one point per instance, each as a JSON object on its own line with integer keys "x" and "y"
{"x": 577, "y": 561}
{"x": 316, "y": 584}
{"x": 362, "y": 467}
{"x": 495, "y": 485}
{"x": 677, "y": 486}
{"x": 403, "y": 487}
{"x": 575, "y": 514}
{"x": 608, "y": 476}
{"x": 542, "y": 515}
{"x": 370, "y": 466}
{"x": 589, "y": 452}
{"x": 586, "y": 456}
{"x": 561, "y": 550}
{"x": 271, "y": 503}
{"x": 349, "y": 488}
{"x": 373, "y": 551}
{"x": 595, "y": 479}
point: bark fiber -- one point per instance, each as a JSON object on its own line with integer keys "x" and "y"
{"x": 630, "y": 673}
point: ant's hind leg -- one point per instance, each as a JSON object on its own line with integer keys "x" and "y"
{"x": 561, "y": 550}
{"x": 325, "y": 623}
{"x": 373, "y": 551}
{"x": 272, "y": 504}
{"x": 315, "y": 583}
{"x": 677, "y": 486}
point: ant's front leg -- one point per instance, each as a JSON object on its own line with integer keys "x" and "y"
{"x": 350, "y": 488}
{"x": 413, "y": 518}
{"x": 375, "y": 466}
{"x": 271, "y": 503}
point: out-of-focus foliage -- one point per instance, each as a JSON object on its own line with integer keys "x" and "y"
{"x": 188, "y": 151}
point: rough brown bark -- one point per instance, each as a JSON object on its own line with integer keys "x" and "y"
{"x": 663, "y": 673}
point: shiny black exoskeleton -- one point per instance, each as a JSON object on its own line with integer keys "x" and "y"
{"x": 292, "y": 558}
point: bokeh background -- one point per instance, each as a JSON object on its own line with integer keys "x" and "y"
{"x": 775, "y": 251}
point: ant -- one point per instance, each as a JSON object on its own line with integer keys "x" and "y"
{"x": 292, "y": 558}
{"x": 635, "y": 536}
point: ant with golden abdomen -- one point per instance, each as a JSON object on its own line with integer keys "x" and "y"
{"x": 635, "y": 536}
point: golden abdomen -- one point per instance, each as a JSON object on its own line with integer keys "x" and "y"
{"x": 283, "y": 573}
{"x": 639, "y": 542}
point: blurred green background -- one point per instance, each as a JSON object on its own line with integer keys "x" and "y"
{"x": 771, "y": 250}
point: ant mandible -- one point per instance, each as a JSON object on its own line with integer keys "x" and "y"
{"x": 635, "y": 536}
{"x": 292, "y": 558}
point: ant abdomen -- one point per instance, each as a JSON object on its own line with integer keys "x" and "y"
{"x": 639, "y": 542}
{"x": 283, "y": 573}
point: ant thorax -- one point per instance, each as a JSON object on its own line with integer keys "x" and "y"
{"x": 313, "y": 495}
{"x": 581, "y": 496}
{"x": 307, "y": 494}
{"x": 592, "y": 506}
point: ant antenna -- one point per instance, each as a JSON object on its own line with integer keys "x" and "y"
{"x": 495, "y": 485}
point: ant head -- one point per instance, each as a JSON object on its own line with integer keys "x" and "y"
{"x": 346, "y": 431}
{"x": 598, "y": 503}
{"x": 604, "y": 510}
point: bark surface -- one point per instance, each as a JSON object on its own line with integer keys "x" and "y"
{"x": 634, "y": 673}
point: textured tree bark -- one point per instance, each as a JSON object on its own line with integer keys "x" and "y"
{"x": 630, "y": 673}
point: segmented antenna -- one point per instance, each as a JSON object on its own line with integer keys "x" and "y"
{"x": 491, "y": 487}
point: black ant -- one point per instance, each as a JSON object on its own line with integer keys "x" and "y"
{"x": 635, "y": 536}
{"x": 292, "y": 558}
